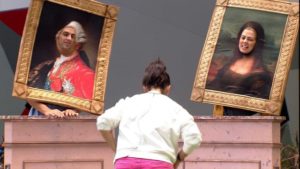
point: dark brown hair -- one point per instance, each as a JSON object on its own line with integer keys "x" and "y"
{"x": 156, "y": 75}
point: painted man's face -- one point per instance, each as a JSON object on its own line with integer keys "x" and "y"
{"x": 247, "y": 41}
{"x": 66, "y": 41}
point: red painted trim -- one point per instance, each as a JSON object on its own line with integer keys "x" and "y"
{"x": 14, "y": 19}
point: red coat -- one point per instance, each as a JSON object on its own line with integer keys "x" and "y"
{"x": 73, "y": 77}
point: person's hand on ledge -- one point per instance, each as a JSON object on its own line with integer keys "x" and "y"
{"x": 44, "y": 109}
{"x": 70, "y": 113}
{"x": 54, "y": 113}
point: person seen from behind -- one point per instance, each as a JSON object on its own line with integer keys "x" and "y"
{"x": 150, "y": 126}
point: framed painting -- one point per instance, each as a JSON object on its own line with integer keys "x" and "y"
{"x": 247, "y": 55}
{"x": 64, "y": 53}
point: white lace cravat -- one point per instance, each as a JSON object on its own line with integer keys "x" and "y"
{"x": 59, "y": 61}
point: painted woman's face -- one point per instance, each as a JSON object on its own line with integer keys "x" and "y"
{"x": 247, "y": 40}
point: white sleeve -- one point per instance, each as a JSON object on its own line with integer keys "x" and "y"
{"x": 190, "y": 134}
{"x": 110, "y": 119}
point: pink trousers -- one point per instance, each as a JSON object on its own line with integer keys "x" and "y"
{"x": 140, "y": 163}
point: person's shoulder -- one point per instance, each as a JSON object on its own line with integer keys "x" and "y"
{"x": 128, "y": 101}
{"x": 82, "y": 69}
{"x": 131, "y": 98}
{"x": 168, "y": 101}
{"x": 43, "y": 64}
{"x": 136, "y": 97}
{"x": 180, "y": 108}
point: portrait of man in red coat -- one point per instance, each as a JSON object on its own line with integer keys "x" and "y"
{"x": 68, "y": 73}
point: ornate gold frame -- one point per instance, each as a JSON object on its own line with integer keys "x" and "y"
{"x": 22, "y": 90}
{"x": 271, "y": 106}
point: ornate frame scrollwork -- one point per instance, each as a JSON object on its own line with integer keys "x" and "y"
{"x": 92, "y": 9}
{"x": 271, "y": 106}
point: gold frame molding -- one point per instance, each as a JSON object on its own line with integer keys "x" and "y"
{"x": 271, "y": 106}
{"x": 21, "y": 90}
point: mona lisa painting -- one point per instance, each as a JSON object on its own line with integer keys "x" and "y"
{"x": 245, "y": 60}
